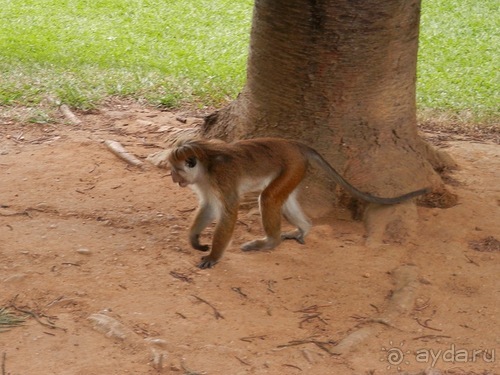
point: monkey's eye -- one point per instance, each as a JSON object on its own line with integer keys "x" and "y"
{"x": 191, "y": 162}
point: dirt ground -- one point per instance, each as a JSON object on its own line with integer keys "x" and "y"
{"x": 95, "y": 252}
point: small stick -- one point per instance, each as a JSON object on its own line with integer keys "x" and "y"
{"x": 217, "y": 314}
{"x": 180, "y": 276}
{"x": 432, "y": 337}
{"x": 117, "y": 149}
{"x": 23, "y": 213}
{"x": 375, "y": 307}
{"x": 187, "y": 210}
{"x": 292, "y": 366}
{"x": 70, "y": 116}
{"x": 55, "y": 301}
{"x": 251, "y": 338}
{"x": 307, "y": 318}
{"x": 242, "y": 361}
{"x": 181, "y": 315}
{"x": 471, "y": 261}
{"x": 34, "y": 315}
{"x": 319, "y": 344}
{"x": 424, "y": 324}
{"x": 270, "y": 284}
{"x": 238, "y": 290}
{"x": 310, "y": 309}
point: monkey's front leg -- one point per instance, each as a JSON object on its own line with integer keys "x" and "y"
{"x": 222, "y": 237}
{"x": 204, "y": 217}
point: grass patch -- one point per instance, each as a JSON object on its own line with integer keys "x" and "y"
{"x": 162, "y": 51}
{"x": 177, "y": 52}
{"x": 9, "y": 320}
{"x": 458, "y": 76}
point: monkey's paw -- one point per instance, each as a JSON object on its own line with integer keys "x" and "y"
{"x": 296, "y": 235}
{"x": 195, "y": 243}
{"x": 265, "y": 244}
{"x": 201, "y": 247}
{"x": 206, "y": 262}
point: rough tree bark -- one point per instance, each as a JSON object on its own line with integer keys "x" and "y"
{"x": 340, "y": 75}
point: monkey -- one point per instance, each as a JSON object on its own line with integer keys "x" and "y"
{"x": 220, "y": 173}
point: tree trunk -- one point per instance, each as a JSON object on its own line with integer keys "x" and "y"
{"x": 340, "y": 76}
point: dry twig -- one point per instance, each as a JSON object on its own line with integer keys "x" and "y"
{"x": 424, "y": 324}
{"x": 320, "y": 344}
{"x": 432, "y": 337}
{"x": 181, "y": 276}
{"x": 308, "y": 317}
{"x": 292, "y": 366}
{"x": 187, "y": 210}
{"x": 239, "y": 291}
{"x": 242, "y": 361}
{"x": 401, "y": 301}
{"x": 471, "y": 260}
{"x": 270, "y": 285}
{"x": 217, "y": 314}
{"x": 311, "y": 309}
{"x": 23, "y": 213}
{"x": 34, "y": 316}
{"x": 251, "y": 338}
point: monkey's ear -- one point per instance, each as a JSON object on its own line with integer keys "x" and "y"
{"x": 191, "y": 162}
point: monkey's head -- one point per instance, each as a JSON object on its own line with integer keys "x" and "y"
{"x": 186, "y": 163}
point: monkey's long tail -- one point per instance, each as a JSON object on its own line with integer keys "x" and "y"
{"x": 358, "y": 193}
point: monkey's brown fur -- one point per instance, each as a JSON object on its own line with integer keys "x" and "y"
{"x": 220, "y": 173}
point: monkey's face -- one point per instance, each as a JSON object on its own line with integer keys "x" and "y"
{"x": 186, "y": 172}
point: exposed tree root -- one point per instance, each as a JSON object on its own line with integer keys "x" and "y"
{"x": 70, "y": 116}
{"x": 395, "y": 224}
{"x": 117, "y": 149}
{"x": 400, "y": 303}
{"x": 114, "y": 329}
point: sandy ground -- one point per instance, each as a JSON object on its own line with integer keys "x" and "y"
{"x": 95, "y": 251}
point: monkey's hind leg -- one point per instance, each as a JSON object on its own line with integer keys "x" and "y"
{"x": 271, "y": 220}
{"x": 271, "y": 200}
{"x": 295, "y": 216}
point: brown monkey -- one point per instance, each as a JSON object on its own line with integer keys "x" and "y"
{"x": 222, "y": 172}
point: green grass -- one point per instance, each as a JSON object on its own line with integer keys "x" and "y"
{"x": 9, "y": 320}
{"x": 175, "y": 52}
{"x": 459, "y": 59}
{"x": 81, "y": 51}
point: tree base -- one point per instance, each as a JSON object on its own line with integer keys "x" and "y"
{"x": 396, "y": 224}
{"x": 387, "y": 169}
